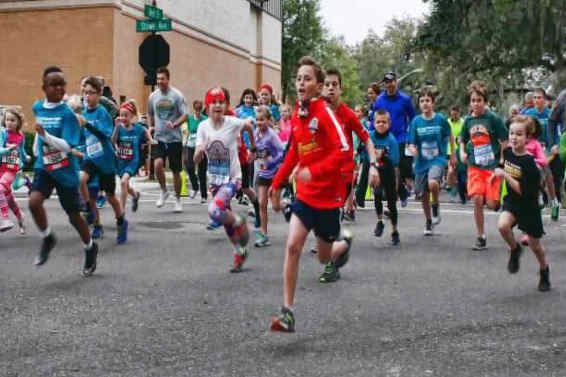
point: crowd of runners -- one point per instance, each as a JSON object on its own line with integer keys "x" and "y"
{"x": 314, "y": 161}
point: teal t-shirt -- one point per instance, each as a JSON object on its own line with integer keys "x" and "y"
{"x": 99, "y": 150}
{"x": 192, "y": 125}
{"x": 429, "y": 136}
{"x": 482, "y": 136}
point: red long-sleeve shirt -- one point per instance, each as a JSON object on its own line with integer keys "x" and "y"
{"x": 319, "y": 144}
{"x": 350, "y": 123}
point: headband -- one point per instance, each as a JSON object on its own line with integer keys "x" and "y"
{"x": 214, "y": 94}
{"x": 128, "y": 106}
{"x": 268, "y": 87}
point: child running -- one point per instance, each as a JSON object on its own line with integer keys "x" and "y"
{"x": 520, "y": 205}
{"x": 269, "y": 156}
{"x": 317, "y": 147}
{"x": 58, "y": 131}
{"x": 12, "y": 159}
{"x": 217, "y": 137}
{"x": 190, "y": 129}
{"x": 100, "y": 157}
{"x": 428, "y": 138}
{"x": 128, "y": 138}
{"x": 387, "y": 155}
{"x": 483, "y": 139}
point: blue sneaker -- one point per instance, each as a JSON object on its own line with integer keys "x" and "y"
{"x": 97, "y": 232}
{"x": 122, "y": 236}
{"x": 213, "y": 225}
{"x": 100, "y": 201}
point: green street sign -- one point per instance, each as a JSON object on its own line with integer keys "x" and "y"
{"x": 153, "y": 12}
{"x": 145, "y": 26}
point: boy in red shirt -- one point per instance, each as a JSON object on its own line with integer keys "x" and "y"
{"x": 317, "y": 146}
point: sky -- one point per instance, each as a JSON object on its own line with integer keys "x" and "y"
{"x": 353, "y": 18}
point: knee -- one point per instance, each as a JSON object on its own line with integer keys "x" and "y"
{"x": 503, "y": 227}
{"x": 293, "y": 250}
{"x": 158, "y": 163}
{"x": 34, "y": 203}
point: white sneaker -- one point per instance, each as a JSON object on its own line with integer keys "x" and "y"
{"x": 192, "y": 194}
{"x": 5, "y": 225}
{"x": 162, "y": 198}
{"x": 178, "y": 206}
{"x": 436, "y": 220}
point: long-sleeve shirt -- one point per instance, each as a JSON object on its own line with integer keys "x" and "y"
{"x": 98, "y": 132}
{"x": 351, "y": 125}
{"x": 317, "y": 143}
{"x": 269, "y": 152}
{"x": 401, "y": 110}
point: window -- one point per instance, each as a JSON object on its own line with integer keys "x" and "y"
{"x": 272, "y": 7}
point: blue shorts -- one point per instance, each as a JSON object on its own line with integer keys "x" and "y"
{"x": 129, "y": 169}
{"x": 69, "y": 196}
{"x": 324, "y": 222}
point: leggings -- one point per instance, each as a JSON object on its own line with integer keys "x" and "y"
{"x": 386, "y": 190}
{"x": 190, "y": 168}
{"x": 6, "y": 196}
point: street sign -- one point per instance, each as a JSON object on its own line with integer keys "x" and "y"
{"x": 153, "y": 53}
{"x": 153, "y": 12}
{"x": 145, "y": 26}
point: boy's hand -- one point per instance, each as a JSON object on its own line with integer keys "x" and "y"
{"x": 170, "y": 124}
{"x": 39, "y": 129}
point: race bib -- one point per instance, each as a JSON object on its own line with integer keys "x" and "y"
{"x": 11, "y": 160}
{"x": 94, "y": 150}
{"x": 483, "y": 155}
{"x": 429, "y": 150}
{"x": 218, "y": 172}
{"x": 125, "y": 151}
{"x": 54, "y": 159}
{"x": 192, "y": 141}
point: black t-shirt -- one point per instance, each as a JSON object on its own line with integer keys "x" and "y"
{"x": 524, "y": 170}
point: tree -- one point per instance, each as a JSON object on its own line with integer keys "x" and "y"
{"x": 303, "y": 34}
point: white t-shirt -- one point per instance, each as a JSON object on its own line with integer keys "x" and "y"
{"x": 221, "y": 148}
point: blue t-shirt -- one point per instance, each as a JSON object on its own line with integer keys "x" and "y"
{"x": 275, "y": 115}
{"x": 430, "y": 136}
{"x": 246, "y": 112}
{"x": 99, "y": 149}
{"x": 401, "y": 110}
{"x": 129, "y": 146}
{"x": 388, "y": 143}
{"x": 61, "y": 122}
{"x": 543, "y": 120}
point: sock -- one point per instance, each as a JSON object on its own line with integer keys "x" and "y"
{"x": 435, "y": 209}
{"x": 46, "y": 232}
{"x": 89, "y": 244}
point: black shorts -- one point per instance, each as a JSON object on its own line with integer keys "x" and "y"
{"x": 69, "y": 196}
{"x": 107, "y": 182}
{"x": 528, "y": 221}
{"x": 405, "y": 163}
{"x": 247, "y": 175}
{"x": 261, "y": 181}
{"x": 324, "y": 222}
{"x": 169, "y": 151}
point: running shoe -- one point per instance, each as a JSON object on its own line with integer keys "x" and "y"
{"x": 100, "y": 201}
{"x": 524, "y": 240}
{"x": 262, "y": 240}
{"x": 244, "y": 201}
{"x": 544, "y": 282}
{"x": 122, "y": 235}
{"x": 347, "y": 236}
{"x": 330, "y": 274}
{"x": 178, "y": 206}
{"x": 202, "y": 200}
{"x": 192, "y": 194}
{"x": 378, "y": 231}
{"x": 435, "y": 215}
{"x": 213, "y": 225}
{"x": 239, "y": 258}
{"x": 285, "y": 322}
{"x": 515, "y": 260}
{"x": 5, "y": 225}
{"x": 21, "y": 225}
{"x": 90, "y": 260}
{"x": 135, "y": 201}
{"x": 97, "y": 232}
{"x": 428, "y": 228}
{"x": 47, "y": 245}
{"x": 555, "y": 212}
{"x": 481, "y": 243}
{"x": 162, "y": 198}
{"x": 395, "y": 240}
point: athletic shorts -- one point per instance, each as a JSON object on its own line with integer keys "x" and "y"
{"x": 169, "y": 151}
{"x": 130, "y": 169}
{"x": 261, "y": 181}
{"x": 434, "y": 173}
{"x": 324, "y": 222}
{"x": 69, "y": 196}
{"x": 479, "y": 184}
{"x": 247, "y": 175}
{"x": 106, "y": 182}
{"x": 528, "y": 221}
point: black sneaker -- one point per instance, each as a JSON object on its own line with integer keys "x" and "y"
{"x": 90, "y": 260}
{"x": 343, "y": 259}
{"x": 428, "y": 228}
{"x": 544, "y": 282}
{"x": 378, "y": 231}
{"x": 481, "y": 244}
{"x": 135, "y": 201}
{"x": 47, "y": 245}
{"x": 285, "y": 322}
{"x": 395, "y": 238}
{"x": 515, "y": 259}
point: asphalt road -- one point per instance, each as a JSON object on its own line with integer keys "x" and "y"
{"x": 165, "y": 304}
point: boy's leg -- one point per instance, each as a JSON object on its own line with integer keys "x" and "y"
{"x": 124, "y": 189}
{"x": 295, "y": 243}
{"x": 262, "y": 197}
{"x": 538, "y": 249}
{"x": 190, "y": 168}
{"x": 505, "y": 225}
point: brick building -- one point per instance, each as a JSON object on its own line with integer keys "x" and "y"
{"x": 234, "y": 43}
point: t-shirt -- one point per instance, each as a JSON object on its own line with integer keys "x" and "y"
{"x": 523, "y": 169}
{"x": 246, "y": 112}
{"x": 129, "y": 142}
{"x": 482, "y": 136}
{"x": 191, "y": 127}
{"x": 221, "y": 148}
{"x": 429, "y": 136}
{"x": 387, "y": 143}
{"x": 61, "y": 122}
{"x": 99, "y": 149}
{"x": 12, "y": 159}
{"x": 269, "y": 153}
{"x": 165, "y": 107}
{"x": 543, "y": 120}
{"x": 456, "y": 127}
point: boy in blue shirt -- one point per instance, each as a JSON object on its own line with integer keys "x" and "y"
{"x": 55, "y": 168}
{"x": 428, "y": 138}
{"x": 100, "y": 158}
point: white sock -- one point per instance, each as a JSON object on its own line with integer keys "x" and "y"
{"x": 89, "y": 244}
{"x": 46, "y": 232}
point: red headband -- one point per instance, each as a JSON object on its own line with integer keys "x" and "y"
{"x": 128, "y": 106}
{"x": 214, "y": 94}
{"x": 268, "y": 87}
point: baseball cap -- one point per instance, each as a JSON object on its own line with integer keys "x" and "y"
{"x": 388, "y": 77}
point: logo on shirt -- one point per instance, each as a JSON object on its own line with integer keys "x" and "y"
{"x": 313, "y": 125}
{"x": 165, "y": 109}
